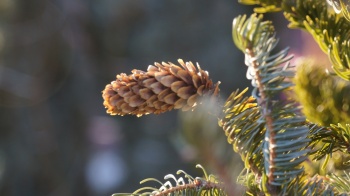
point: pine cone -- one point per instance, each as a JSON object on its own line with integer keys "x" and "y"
{"x": 163, "y": 87}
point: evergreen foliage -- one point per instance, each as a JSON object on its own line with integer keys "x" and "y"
{"x": 283, "y": 146}
{"x": 325, "y": 97}
{"x": 330, "y": 30}
{"x": 186, "y": 185}
{"x": 268, "y": 130}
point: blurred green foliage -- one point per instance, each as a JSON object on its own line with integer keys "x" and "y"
{"x": 325, "y": 97}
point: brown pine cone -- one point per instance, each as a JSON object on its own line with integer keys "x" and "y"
{"x": 163, "y": 87}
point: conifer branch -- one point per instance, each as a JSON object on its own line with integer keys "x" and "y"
{"x": 341, "y": 183}
{"x": 330, "y": 30}
{"x": 266, "y": 112}
{"x": 284, "y": 147}
{"x": 315, "y": 185}
{"x": 244, "y": 131}
{"x": 266, "y": 5}
{"x": 327, "y": 140}
{"x": 340, "y": 7}
{"x": 186, "y": 185}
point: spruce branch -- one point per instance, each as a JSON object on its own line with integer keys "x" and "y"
{"x": 327, "y": 140}
{"x": 315, "y": 185}
{"x": 330, "y": 30}
{"x": 341, "y": 183}
{"x": 266, "y": 5}
{"x": 244, "y": 131}
{"x": 341, "y": 6}
{"x": 284, "y": 146}
{"x": 186, "y": 185}
{"x": 161, "y": 88}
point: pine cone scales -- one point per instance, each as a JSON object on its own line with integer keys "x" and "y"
{"x": 163, "y": 87}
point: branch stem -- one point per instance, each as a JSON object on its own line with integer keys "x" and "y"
{"x": 266, "y": 112}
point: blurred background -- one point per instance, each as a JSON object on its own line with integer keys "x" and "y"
{"x": 56, "y": 56}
